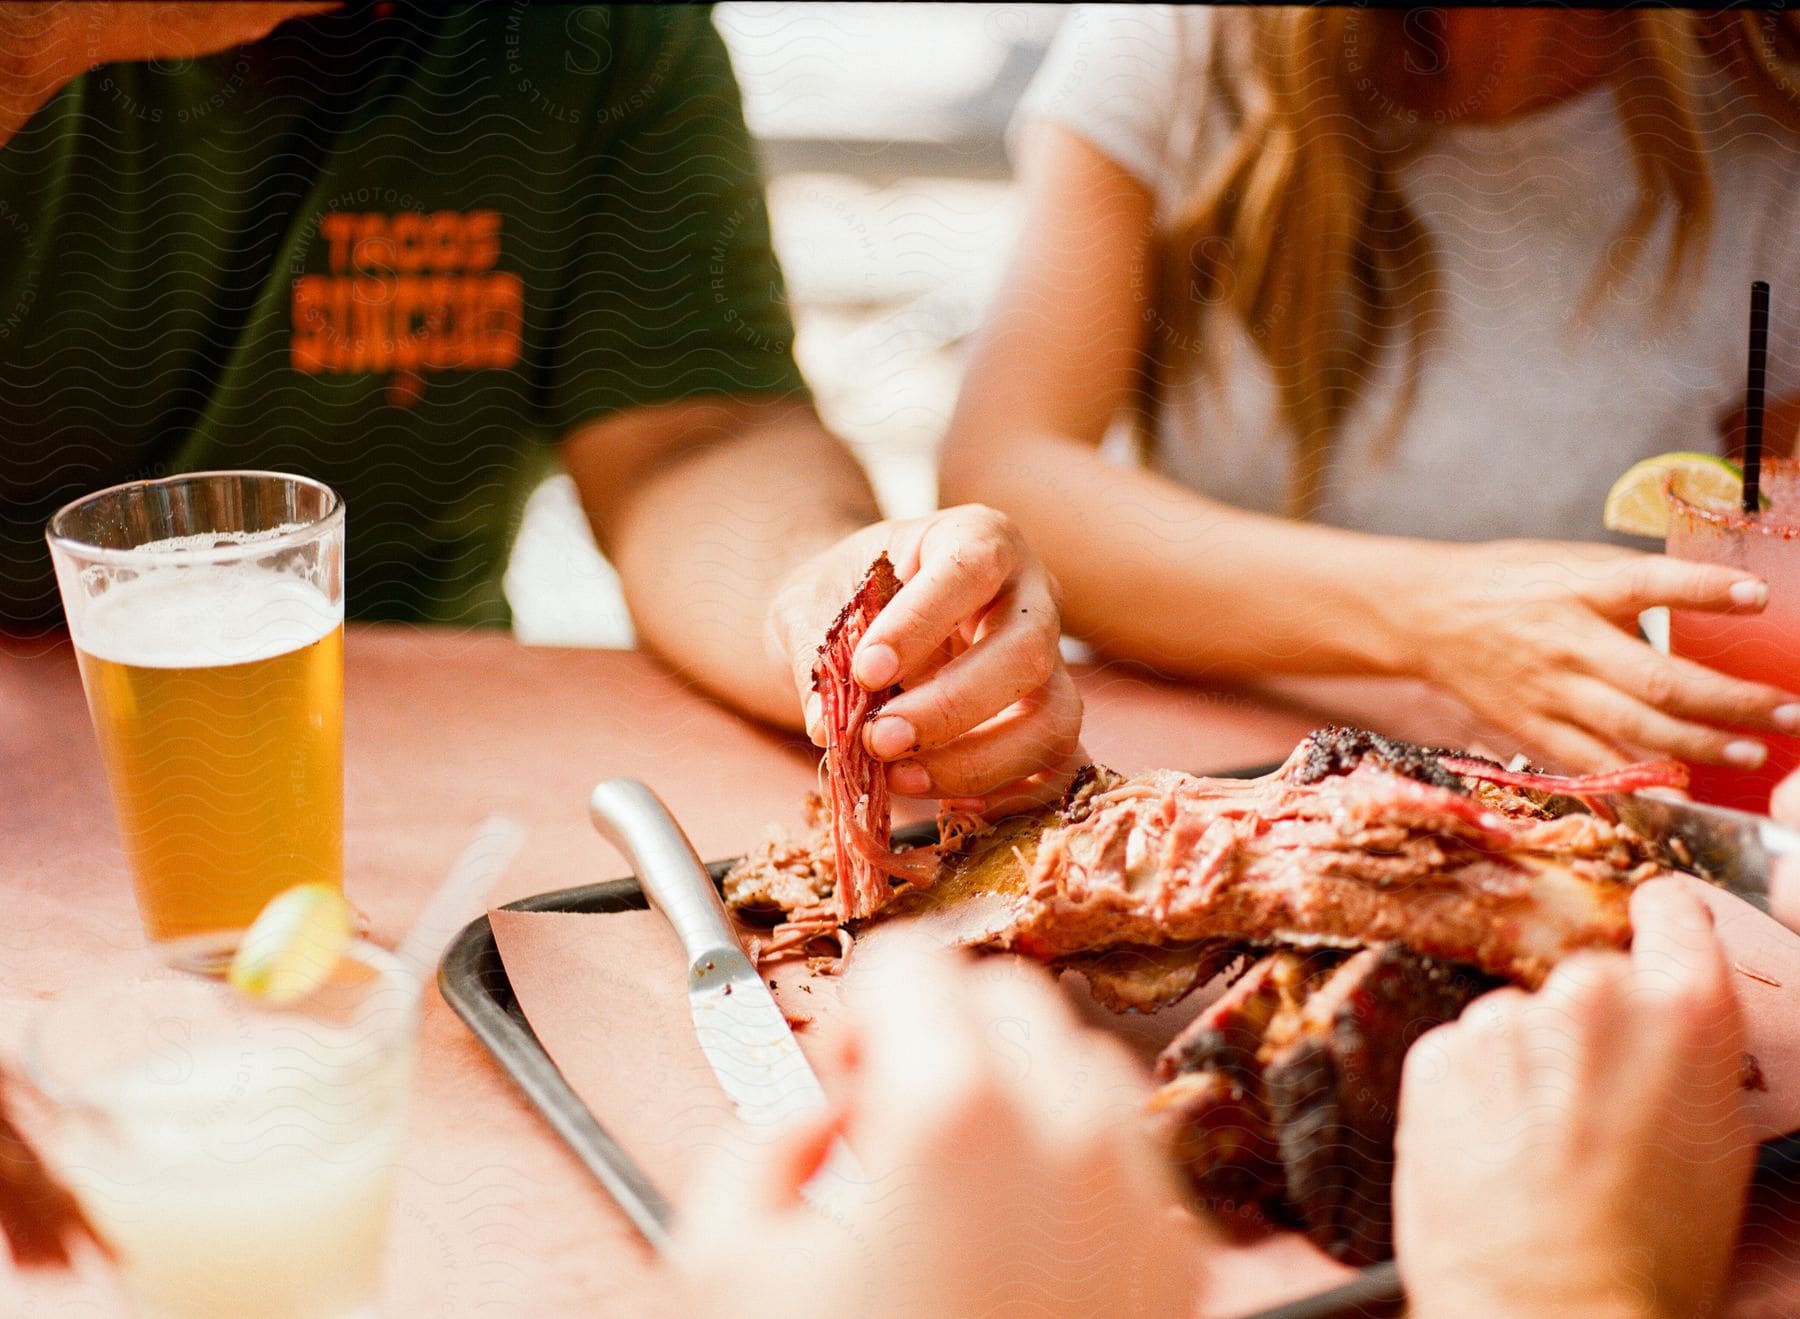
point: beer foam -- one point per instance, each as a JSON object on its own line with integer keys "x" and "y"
{"x": 153, "y": 550}
{"x": 203, "y": 616}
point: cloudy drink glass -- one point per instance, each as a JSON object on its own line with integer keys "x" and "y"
{"x": 237, "y": 1157}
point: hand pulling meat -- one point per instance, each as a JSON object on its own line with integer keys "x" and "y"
{"x": 1372, "y": 889}
{"x": 818, "y": 890}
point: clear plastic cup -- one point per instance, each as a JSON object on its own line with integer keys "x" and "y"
{"x": 237, "y": 1157}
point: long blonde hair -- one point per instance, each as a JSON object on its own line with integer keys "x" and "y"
{"x": 1301, "y": 231}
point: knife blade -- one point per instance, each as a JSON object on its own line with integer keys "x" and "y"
{"x": 1734, "y": 849}
{"x": 742, "y": 1032}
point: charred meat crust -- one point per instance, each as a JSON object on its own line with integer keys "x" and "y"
{"x": 1089, "y": 782}
{"x": 1284, "y": 1093}
{"x": 1336, "y": 749}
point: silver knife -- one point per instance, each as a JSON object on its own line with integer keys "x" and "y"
{"x": 1734, "y": 849}
{"x": 742, "y": 1032}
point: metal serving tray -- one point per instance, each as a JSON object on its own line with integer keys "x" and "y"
{"x": 473, "y": 981}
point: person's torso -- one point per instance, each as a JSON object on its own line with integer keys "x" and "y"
{"x": 339, "y": 252}
{"x": 1526, "y": 412}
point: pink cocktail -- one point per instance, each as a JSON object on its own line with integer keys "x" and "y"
{"x": 1761, "y": 647}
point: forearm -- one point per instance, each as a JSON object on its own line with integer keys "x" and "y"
{"x": 35, "y": 63}
{"x": 1471, "y": 1296}
{"x": 703, "y": 544}
{"x": 1153, "y": 572}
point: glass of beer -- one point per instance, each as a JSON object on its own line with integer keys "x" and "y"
{"x": 1762, "y": 647}
{"x": 207, "y": 613}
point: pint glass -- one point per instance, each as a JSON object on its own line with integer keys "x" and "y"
{"x": 207, "y": 613}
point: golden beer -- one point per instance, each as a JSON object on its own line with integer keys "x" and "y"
{"x": 228, "y": 780}
{"x": 213, "y": 660}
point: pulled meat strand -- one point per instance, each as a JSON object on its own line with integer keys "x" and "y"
{"x": 1632, "y": 778}
{"x": 799, "y": 932}
{"x": 854, "y": 782}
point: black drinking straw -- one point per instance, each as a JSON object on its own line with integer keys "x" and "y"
{"x": 1753, "y": 396}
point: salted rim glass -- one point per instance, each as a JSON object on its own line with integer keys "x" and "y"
{"x": 75, "y": 1045}
{"x": 1780, "y": 521}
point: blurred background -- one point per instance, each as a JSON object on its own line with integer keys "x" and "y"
{"x": 882, "y": 131}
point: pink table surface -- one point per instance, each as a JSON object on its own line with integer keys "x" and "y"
{"x": 493, "y": 1215}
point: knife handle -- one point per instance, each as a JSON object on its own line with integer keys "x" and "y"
{"x": 633, "y": 819}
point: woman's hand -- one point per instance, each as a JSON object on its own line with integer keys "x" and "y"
{"x": 1009, "y": 1169}
{"x": 989, "y": 717}
{"x": 1580, "y": 1150}
{"x": 1539, "y": 639}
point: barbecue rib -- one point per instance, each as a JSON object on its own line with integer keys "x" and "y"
{"x": 1353, "y": 841}
{"x": 1381, "y": 885}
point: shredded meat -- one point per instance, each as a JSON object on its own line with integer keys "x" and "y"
{"x": 1633, "y": 778}
{"x": 810, "y": 888}
{"x": 855, "y": 785}
{"x": 785, "y": 872}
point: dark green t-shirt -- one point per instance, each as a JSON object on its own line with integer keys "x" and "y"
{"x": 402, "y": 253}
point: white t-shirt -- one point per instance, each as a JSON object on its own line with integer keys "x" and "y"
{"x": 1525, "y": 415}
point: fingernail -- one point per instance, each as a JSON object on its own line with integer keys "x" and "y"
{"x": 1787, "y": 718}
{"x": 1746, "y": 754}
{"x": 891, "y": 736}
{"x": 909, "y": 779}
{"x": 1749, "y": 593}
{"x": 878, "y": 666}
{"x": 815, "y": 718}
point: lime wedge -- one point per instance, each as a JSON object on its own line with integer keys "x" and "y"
{"x": 292, "y": 946}
{"x": 1637, "y": 506}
